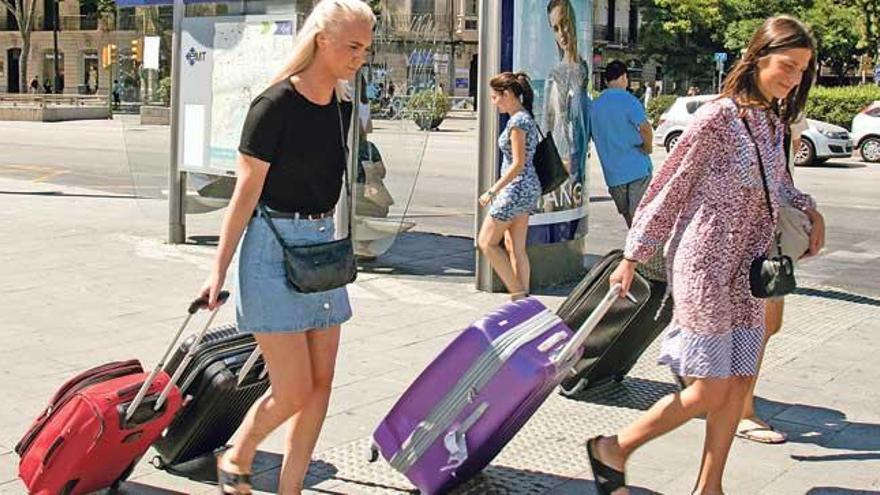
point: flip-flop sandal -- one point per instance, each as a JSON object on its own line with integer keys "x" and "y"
{"x": 606, "y": 478}
{"x": 233, "y": 483}
{"x": 750, "y": 434}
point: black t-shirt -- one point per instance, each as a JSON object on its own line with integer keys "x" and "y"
{"x": 301, "y": 142}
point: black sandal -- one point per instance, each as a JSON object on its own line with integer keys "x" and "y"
{"x": 233, "y": 483}
{"x": 606, "y": 478}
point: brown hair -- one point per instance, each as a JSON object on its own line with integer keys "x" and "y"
{"x": 775, "y": 35}
{"x": 518, "y": 83}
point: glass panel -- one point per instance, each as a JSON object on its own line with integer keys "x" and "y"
{"x": 401, "y": 188}
{"x": 407, "y": 58}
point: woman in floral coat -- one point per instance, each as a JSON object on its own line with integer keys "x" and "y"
{"x": 706, "y": 208}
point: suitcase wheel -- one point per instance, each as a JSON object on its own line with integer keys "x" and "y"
{"x": 373, "y": 454}
{"x": 158, "y": 463}
{"x": 575, "y": 389}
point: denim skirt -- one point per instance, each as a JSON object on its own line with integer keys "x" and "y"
{"x": 265, "y": 302}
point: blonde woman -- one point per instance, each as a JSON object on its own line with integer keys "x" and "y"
{"x": 291, "y": 160}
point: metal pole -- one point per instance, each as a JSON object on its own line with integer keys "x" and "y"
{"x": 57, "y": 83}
{"x": 176, "y": 178}
{"x": 487, "y": 165}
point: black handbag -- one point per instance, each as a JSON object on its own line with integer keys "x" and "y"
{"x": 325, "y": 266}
{"x": 770, "y": 276}
{"x": 548, "y": 163}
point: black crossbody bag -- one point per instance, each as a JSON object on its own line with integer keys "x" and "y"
{"x": 548, "y": 164}
{"x": 325, "y": 266}
{"x": 770, "y": 276}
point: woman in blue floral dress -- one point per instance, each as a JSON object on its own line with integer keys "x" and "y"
{"x": 515, "y": 194}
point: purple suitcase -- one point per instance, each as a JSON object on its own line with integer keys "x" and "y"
{"x": 476, "y": 395}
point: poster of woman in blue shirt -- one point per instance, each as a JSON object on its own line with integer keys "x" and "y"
{"x": 554, "y": 53}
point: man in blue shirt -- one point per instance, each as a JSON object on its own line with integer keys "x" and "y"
{"x": 623, "y": 138}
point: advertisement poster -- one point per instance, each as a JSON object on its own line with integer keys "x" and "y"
{"x": 551, "y": 40}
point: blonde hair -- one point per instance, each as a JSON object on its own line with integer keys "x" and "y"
{"x": 327, "y": 15}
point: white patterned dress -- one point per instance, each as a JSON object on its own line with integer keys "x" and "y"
{"x": 707, "y": 206}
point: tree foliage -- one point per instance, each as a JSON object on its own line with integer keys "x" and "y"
{"x": 682, "y": 34}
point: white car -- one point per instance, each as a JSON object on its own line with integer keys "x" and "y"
{"x": 822, "y": 141}
{"x": 674, "y": 120}
{"x": 866, "y": 132}
{"x": 819, "y": 142}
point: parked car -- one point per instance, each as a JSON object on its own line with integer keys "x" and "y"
{"x": 866, "y": 132}
{"x": 674, "y": 120}
{"x": 819, "y": 142}
{"x": 822, "y": 141}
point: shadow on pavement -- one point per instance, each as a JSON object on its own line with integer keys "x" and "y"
{"x": 632, "y": 393}
{"x": 832, "y": 164}
{"x": 424, "y": 253}
{"x": 60, "y": 194}
{"x": 134, "y": 488}
{"x": 833, "y": 490}
{"x": 838, "y": 295}
{"x": 265, "y": 478}
{"x": 828, "y": 428}
{"x": 204, "y": 240}
{"x": 503, "y": 479}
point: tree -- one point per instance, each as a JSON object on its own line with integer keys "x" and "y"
{"x": 869, "y": 18}
{"x": 743, "y": 17}
{"x": 837, "y": 38}
{"x": 682, "y": 34}
{"x": 23, "y": 11}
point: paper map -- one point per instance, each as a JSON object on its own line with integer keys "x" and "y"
{"x": 246, "y": 57}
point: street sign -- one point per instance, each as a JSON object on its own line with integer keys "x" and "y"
{"x": 720, "y": 57}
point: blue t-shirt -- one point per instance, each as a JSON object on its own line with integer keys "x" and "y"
{"x": 614, "y": 123}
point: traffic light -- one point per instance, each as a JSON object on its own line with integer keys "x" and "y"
{"x": 108, "y": 55}
{"x": 137, "y": 50}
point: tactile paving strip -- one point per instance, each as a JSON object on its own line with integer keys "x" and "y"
{"x": 549, "y": 451}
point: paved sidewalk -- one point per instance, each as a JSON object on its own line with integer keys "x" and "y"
{"x": 87, "y": 278}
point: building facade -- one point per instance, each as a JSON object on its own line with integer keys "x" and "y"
{"x": 82, "y": 35}
{"x": 616, "y": 26}
{"x": 427, "y": 44}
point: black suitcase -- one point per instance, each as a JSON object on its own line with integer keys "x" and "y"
{"x": 216, "y": 398}
{"x": 613, "y": 348}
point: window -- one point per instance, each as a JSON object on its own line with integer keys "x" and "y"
{"x": 49, "y": 15}
{"x": 471, "y": 8}
{"x": 421, "y": 7}
{"x": 612, "y": 6}
{"x": 633, "y": 21}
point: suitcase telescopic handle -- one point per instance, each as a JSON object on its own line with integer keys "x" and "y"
{"x": 573, "y": 347}
{"x": 200, "y": 303}
{"x": 248, "y": 365}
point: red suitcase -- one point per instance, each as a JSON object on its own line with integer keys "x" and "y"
{"x": 99, "y": 424}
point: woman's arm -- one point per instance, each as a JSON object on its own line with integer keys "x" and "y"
{"x": 518, "y": 153}
{"x": 672, "y": 187}
{"x": 250, "y": 176}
